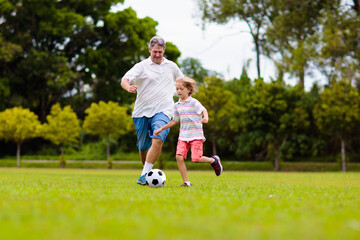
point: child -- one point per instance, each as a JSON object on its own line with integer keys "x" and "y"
{"x": 191, "y": 115}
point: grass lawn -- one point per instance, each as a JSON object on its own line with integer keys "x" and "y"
{"x": 107, "y": 204}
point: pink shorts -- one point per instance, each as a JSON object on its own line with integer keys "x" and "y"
{"x": 196, "y": 149}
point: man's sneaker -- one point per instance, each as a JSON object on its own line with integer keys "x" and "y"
{"x": 217, "y": 165}
{"x": 185, "y": 185}
{"x": 142, "y": 180}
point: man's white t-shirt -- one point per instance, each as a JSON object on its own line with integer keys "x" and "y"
{"x": 155, "y": 87}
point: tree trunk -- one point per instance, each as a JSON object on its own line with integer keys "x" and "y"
{"x": 277, "y": 153}
{"x": 356, "y": 6}
{"x": 343, "y": 157}
{"x": 302, "y": 78}
{"x": 276, "y": 160}
{"x": 62, "y": 158}
{"x": 18, "y": 154}
{"x": 109, "y": 162}
{"x": 257, "y": 48}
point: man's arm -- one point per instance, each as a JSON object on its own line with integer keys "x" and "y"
{"x": 126, "y": 86}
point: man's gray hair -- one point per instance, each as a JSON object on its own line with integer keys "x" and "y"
{"x": 157, "y": 41}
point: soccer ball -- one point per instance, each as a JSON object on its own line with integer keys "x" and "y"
{"x": 156, "y": 178}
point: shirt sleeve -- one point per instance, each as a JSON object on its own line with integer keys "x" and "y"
{"x": 176, "y": 116}
{"x": 134, "y": 73}
{"x": 199, "y": 107}
{"x": 177, "y": 71}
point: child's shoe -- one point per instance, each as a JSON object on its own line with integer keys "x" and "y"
{"x": 217, "y": 165}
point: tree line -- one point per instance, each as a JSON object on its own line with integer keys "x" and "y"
{"x": 65, "y": 56}
{"x": 248, "y": 120}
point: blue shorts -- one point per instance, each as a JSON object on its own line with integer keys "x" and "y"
{"x": 145, "y": 128}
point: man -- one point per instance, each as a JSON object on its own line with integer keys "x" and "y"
{"x": 153, "y": 80}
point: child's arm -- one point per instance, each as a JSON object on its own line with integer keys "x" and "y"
{"x": 205, "y": 118}
{"x": 169, "y": 125}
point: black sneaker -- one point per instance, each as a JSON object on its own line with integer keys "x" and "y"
{"x": 217, "y": 165}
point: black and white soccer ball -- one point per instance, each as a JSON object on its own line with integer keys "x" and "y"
{"x": 156, "y": 178}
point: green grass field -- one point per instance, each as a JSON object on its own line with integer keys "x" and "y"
{"x": 107, "y": 204}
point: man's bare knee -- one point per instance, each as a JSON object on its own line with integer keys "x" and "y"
{"x": 157, "y": 143}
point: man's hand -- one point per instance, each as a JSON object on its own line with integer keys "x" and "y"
{"x": 132, "y": 89}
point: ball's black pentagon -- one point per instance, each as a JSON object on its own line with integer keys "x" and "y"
{"x": 163, "y": 183}
{"x": 155, "y": 182}
{"x": 160, "y": 173}
{"x": 150, "y": 173}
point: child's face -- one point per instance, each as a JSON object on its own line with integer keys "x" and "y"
{"x": 182, "y": 91}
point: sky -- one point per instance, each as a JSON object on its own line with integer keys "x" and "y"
{"x": 221, "y": 48}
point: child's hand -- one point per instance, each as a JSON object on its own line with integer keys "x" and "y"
{"x": 204, "y": 120}
{"x": 157, "y": 131}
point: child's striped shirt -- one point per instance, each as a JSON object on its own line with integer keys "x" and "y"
{"x": 189, "y": 113}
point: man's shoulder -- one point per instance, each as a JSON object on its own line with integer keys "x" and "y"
{"x": 169, "y": 62}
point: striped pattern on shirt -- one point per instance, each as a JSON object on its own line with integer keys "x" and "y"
{"x": 189, "y": 114}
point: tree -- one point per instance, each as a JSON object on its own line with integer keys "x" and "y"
{"x": 220, "y": 104}
{"x": 254, "y": 12}
{"x": 107, "y": 120}
{"x": 69, "y": 52}
{"x": 62, "y": 128}
{"x": 193, "y": 68}
{"x": 172, "y": 52}
{"x": 17, "y": 125}
{"x": 8, "y": 52}
{"x": 290, "y": 35}
{"x": 338, "y": 114}
{"x": 339, "y": 48}
{"x": 268, "y": 115}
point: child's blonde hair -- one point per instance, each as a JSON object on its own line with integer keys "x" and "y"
{"x": 188, "y": 83}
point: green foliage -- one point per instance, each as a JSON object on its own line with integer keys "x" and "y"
{"x": 193, "y": 68}
{"x": 172, "y": 52}
{"x": 339, "y": 55}
{"x": 291, "y": 33}
{"x": 254, "y": 13}
{"x": 68, "y": 51}
{"x": 220, "y": 104}
{"x": 106, "y": 119}
{"x": 62, "y": 127}
{"x": 269, "y": 115}
{"x": 338, "y": 112}
{"x": 18, "y": 124}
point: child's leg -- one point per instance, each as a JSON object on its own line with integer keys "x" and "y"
{"x": 182, "y": 167}
{"x": 181, "y": 151}
{"x": 197, "y": 152}
{"x": 204, "y": 159}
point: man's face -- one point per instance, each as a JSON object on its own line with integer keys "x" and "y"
{"x": 157, "y": 54}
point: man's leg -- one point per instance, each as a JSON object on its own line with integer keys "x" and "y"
{"x": 143, "y": 157}
{"x": 154, "y": 151}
